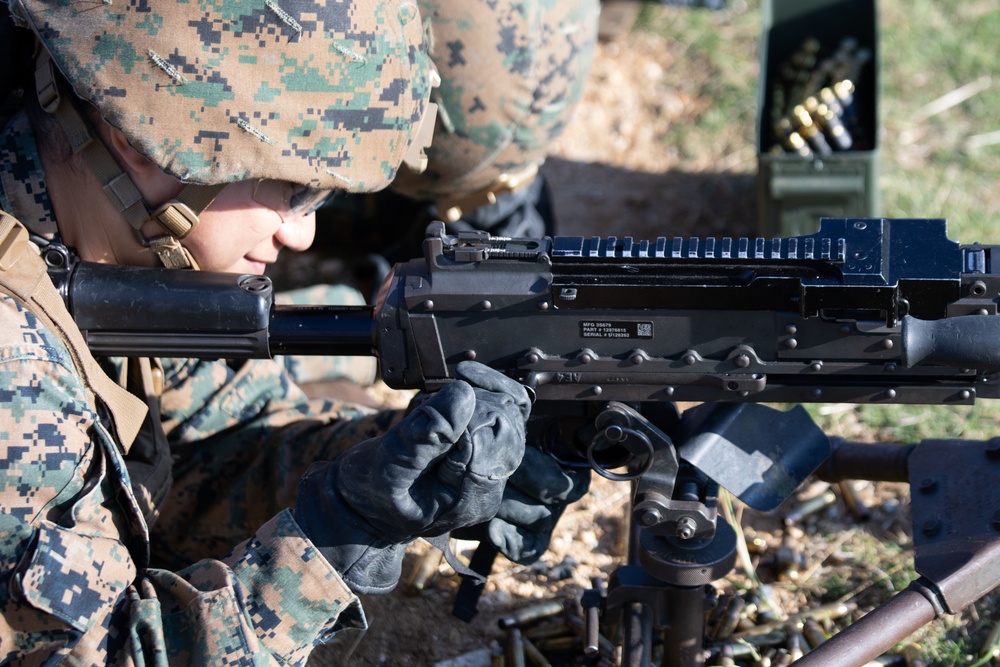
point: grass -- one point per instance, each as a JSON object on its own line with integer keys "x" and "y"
{"x": 939, "y": 156}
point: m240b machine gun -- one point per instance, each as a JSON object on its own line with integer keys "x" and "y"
{"x": 610, "y": 333}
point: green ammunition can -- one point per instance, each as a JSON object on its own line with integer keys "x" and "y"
{"x": 818, "y": 41}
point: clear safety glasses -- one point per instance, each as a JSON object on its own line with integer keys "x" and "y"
{"x": 287, "y": 197}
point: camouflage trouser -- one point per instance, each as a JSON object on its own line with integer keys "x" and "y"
{"x": 512, "y": 73}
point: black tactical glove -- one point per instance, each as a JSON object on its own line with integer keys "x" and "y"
{"x": 536, "y": 496}
{"x": 442, "y": 467}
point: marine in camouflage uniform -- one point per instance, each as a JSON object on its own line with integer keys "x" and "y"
{"x": 104, "y": 558}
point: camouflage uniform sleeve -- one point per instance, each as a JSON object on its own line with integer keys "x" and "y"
{"x": 242, "y": 435}
{"x": 74, "y": 549}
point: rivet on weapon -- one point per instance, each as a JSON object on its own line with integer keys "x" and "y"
{"x": 887, "y": 344}
{"x": 470, "y": 355}
{"x": 992, "y": 448}
{"x": 533, "y": 358}
{"x": 669, "y": 391}
{"x": 845, "y": 329}
{"x": 791, "y": 329}
{"x": 485, "y": 304}
{"x": 427, "y": 305}
{"x": 543, "y": 305}
{"x": 927, "y": 485}
{"x": 931, "y": 527}
{"x": 890, "y": 368}
{"x": 816, "y": 392}
{"x": 791, "y": 344}
{"x": 689, "y": 359}
{"x": 982, "y": 311}
{"x": 741, "y": 361}
{"x": 585, "y": 357}
{"x": 890, "y": 393}
{"x": 816, "y": 366}
{"x": 965, "y": 394}
{"x": 637, "y": 358}
{"x": 597, "y": 390}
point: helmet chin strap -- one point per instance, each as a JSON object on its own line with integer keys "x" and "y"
{"x": 176, "y": 217}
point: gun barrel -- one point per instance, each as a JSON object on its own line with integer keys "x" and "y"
{"x": 322, "y": 330}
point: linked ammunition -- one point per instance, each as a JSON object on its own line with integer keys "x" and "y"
{"x": 790, "y": 139}
{"x": 809, "y": 130}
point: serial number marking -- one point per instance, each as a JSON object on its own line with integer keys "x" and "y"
{"x": 606, "y": 329}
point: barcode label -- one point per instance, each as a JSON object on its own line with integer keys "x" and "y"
{"x": 605, "y": 329}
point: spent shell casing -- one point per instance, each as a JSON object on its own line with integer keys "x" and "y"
{"x": 425, "y": 568}
{"x": 782, "y": 658}
{"x": 515, "y": 648}
{"x": 797, "y": 645}
{"x": 991, "y": 647}
{"x": 533, "y": 655}
{"x": 557, "y": 644}
{"x": 852, "y": 500}
{"x": 913, "y": 656}
{"x": 832, "y": 611}
{"x": 729, "y": 618}
{"x": 811, "y": 506}
{"x": 533, "y": 613}
{"x": 813, "y": 632}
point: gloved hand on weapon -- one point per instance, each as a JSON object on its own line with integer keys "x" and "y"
{"x": 535, "y": 497}
{"x": 444, "y": 466}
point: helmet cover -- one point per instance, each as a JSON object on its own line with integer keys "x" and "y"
{"x": 320, "y": 92}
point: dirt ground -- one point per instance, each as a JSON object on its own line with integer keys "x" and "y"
{"x": 609, "y": 176}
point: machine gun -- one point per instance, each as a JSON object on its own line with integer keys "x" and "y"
{"x": 609, "y": 333}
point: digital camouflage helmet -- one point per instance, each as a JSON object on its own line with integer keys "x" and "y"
{"x": 328, "y": 94}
